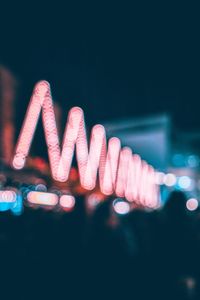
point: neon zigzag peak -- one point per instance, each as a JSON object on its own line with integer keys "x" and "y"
{"x": 120, "y": 171}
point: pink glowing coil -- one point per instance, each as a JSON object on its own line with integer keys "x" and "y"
{"x": 120, "y": 172}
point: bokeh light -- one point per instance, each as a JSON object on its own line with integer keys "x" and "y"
{"x": 184, "y": 182}
{"x": 41, "y": 198}
{"x": 121, "y": 207}
{"x": 67, "y": 202}
{"x": 192, "y": 204}
{"x": 169, "y": 179}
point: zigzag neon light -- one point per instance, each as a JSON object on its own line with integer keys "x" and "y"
{"x": 120, "y": 171}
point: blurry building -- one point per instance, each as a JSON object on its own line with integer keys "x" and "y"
{"x": 149, "y": 137}
{"x": 7, "y": 97}
{"x": 175, "y": 154}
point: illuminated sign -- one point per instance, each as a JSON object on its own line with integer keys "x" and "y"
{"x": 120, "y": 171}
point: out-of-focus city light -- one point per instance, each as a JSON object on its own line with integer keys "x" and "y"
{"x": 169, "y": 179}
{"x": 114, "y": 165}
{"x": 7, "y": 199}
{"x": 41, "y": 187}
{"x": 67, "y": 202}
{"x": 192, "y": 204}
{"x": 193, "y": 161}
{"x": 41, "y": 198}
{"x": 7, "y": 196}
{"x": 121, "y": 207}
{"x": 184, "y": 182}
{"x": 160, "y": 178}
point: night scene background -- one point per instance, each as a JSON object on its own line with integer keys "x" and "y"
{"x": 133, "y": 67}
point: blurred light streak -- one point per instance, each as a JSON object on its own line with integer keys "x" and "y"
{"x": 41, "y": 198}
{"x": 120, "y": 171}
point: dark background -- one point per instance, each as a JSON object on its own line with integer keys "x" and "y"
{"x": 114, "y": 60}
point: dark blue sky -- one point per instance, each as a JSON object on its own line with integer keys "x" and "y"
{"x": 112, "y": 60}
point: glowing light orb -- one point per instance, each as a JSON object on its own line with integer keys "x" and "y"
{"x": 121, "y": 207}
{"x": 169, "y": 179}
{"x": 184, "y": 182}
{"x": 41, "y": 198}
{"x": 192, "y": 204}
{"x": 67, "y": 202}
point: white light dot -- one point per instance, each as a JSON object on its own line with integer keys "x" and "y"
{"x": 192, "y": 204}
{"x": 121, "y": 207}
{"x": 184, "y": 182}
{"x": 169, "y": 179}
{"x": 67, "y": 201}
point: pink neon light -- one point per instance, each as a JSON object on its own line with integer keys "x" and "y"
{"x": 41, "y": 198}
{"x": 120, "y": 171}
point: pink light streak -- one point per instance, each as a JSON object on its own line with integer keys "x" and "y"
{"x": 41, "y": 198}
{"x": 119, "y": 171}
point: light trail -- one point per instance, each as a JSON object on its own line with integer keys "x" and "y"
{"x": 120, "y": 172}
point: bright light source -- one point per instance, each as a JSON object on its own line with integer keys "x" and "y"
{"x": 41, "y": 198}
{"x": 121, "y": 207}
{"x": 184, "y": 182}
{"x": 7, "y": 196}
{"x": 192, "y": 204}
{"x": 169, "y": 179}
{"x": 67, "y": 202}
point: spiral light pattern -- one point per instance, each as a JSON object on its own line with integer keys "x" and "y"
{"x": 120, "y": 171}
